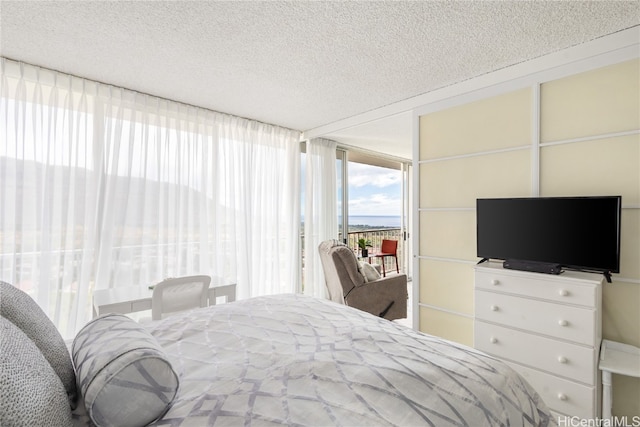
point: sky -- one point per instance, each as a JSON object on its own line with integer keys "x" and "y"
{"x": 374, "y": 190}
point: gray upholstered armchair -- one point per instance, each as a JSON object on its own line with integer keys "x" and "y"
{"x": 385, "y": 297}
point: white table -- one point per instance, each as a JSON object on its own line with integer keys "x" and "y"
{"x": 616, "y": 358}
{"x": 138, "y": 298}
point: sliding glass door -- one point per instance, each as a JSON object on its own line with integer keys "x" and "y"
{"x": 375, "y": 202}
{"x": 372, "y": 199}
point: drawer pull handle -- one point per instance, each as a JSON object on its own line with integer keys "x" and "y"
{"x": 493, "y": 340}
{"x": 495, "y": 282}
{"x": 494, "y": 308}
{"x": 563, "y": 323}
{"x": 563, "y": 292}
{"x": 562, "y": 396}
{"x": 562, "y": 359}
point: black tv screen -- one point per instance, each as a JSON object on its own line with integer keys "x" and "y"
{"x": 575, "y": 232}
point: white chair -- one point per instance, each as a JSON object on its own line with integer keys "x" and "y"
{"x": 179, "y": 294}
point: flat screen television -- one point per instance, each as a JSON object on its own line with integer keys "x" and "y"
{"x": 581, "y": 233}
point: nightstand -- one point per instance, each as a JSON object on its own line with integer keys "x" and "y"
{"x": 616, "y": 358}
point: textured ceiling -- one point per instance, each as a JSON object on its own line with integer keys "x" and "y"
{"x": 296, "y": 64}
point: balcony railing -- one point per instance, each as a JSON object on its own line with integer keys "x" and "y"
{"x": 375, "y": 236}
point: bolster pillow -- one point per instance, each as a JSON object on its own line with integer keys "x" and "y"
{"x": 123, "y": 374}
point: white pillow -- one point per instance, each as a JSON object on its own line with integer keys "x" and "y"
{"x": 369, "y": 272}
{"x": 123, "y": 374}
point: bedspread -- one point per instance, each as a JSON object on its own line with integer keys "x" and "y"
{"x": 297, "y": 360}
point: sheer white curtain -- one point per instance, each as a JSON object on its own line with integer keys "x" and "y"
{"x": 103, "y": 187}
{"x": 258, "y": 210}
{"x": 321, "y": 210}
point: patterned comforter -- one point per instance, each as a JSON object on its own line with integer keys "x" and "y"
{"x": 297, "y": 360}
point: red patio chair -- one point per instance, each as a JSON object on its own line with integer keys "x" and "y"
{"x": 388, "y": 248}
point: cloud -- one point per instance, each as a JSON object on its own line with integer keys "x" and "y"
{"x": 375, "y": 204}
{"x": 361, "y": 175}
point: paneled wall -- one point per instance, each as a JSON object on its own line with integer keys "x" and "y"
{"x": 481, "y": 149}
{"x": 576, "y": 136}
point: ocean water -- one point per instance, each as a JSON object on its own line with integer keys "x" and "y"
{"x": 375, "y": 221}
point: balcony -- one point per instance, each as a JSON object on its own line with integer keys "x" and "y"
{"x": 375, "y": 236}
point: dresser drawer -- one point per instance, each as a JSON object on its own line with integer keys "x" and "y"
{"x": 571, "y": 323}
{"x": 548, "y": 287}
{"x": 561, "y": 395}
{"x": 567, "y": 360}
{"x": 120, "y": 307}
{"x": 140, "y": 305}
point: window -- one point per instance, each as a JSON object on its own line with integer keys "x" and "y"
{"x": 103, "y": 187}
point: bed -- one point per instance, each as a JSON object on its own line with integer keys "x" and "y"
{"x": 296, "y": 360}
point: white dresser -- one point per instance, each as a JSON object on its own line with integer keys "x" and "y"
{"x": 547, "y": 327}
